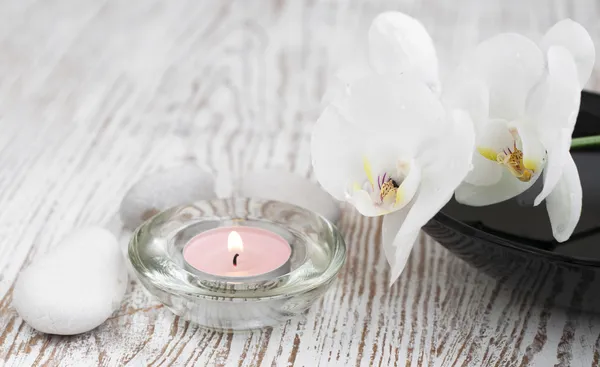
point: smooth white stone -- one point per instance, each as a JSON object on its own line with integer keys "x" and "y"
{"x": 75, "y": 287}
{"x": 164, "y": 189}
{"x": 285, "y": 186}
{"x": 224, "y": 187}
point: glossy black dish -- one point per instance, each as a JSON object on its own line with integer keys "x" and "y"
{"x": 512, "y": 241}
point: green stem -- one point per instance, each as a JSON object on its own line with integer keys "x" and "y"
{"x": 585, "y": 142}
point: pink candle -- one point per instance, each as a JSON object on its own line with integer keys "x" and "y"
{"x": 238, "y": 252}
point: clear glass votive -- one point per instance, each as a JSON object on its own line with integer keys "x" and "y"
{"x": 227, "y": 301}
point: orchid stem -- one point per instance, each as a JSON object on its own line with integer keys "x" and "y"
{"x": 585, "y": 142}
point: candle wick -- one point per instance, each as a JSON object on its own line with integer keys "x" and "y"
{"x": 235, "y": 259}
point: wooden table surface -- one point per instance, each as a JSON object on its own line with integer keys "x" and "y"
{"x": 94, "y": 94}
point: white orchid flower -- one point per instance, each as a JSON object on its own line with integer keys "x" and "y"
{"x": 385, "y": 143}
{"x": 389, "y": 147}
{"x": 524, "y": 99}
{"x": 397, "y": 44}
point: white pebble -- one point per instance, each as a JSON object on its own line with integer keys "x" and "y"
{"x": 164, "y": 189}
{"x": 285, "y": 186}
{"x": 75, "y": 287}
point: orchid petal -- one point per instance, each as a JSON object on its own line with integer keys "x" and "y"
{"x": 342, "y": 80}
{"x": 554, "y": 104}
{"x": 562, "y": 65}
{"x": 456, "y": 141}
{"x": 496, "y": 137}
{"x": 400, "y": 44}
{"x": 558, "y": 153}
{"x": 397, "y": 247}
{"x": 534, "y": 153}
{"x": 564, "y": 203}
{"x": 335, "y": 149}
{"x": 408, "y": 188}
{"x": 379, "y": 104}
{"x": 510, "y": 65}
{"x": 439, "y": 178}
{"x": 576, "y": 39}
{"x": 472, "y": 96}
{"x": 507, "y": 188}
{"x": 381, "y": 154}
{"x": 364, "y": 204}
{"x": 484, "y": 172}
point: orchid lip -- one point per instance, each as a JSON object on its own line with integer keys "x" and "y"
{"x": 524, "y": 169}
{"x": 385, "y": 188}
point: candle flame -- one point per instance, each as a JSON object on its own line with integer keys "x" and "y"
{"x": 234, "y": 242}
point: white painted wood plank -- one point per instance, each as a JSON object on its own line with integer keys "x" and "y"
{"x": 95, "y": 94}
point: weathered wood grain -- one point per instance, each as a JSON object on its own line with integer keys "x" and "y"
{"x": 94, "y": 94}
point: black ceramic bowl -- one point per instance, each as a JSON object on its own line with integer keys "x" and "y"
{"x": 513, "y": 241}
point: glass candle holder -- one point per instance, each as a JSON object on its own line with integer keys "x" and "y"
{"x": 172, "y": 251}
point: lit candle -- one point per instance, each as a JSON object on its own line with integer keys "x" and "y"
{"x": 238, "y": 253}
